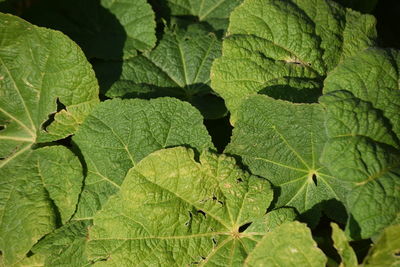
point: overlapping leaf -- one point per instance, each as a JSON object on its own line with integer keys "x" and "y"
{"x": 345, "y": 251}
{"x": 289, "y": 245}
{"x": 285, "y": 48}
{"x": 362, "y": 150}
{"x": 179, "y": 67}
{"x": 386, "y": 250}
{"x": 39, "y": 187}
{"x": 372, "y": 76}
{"x": 106, "y": 29}
{"x": 119, "y": 133}
{"x": 170, "y": 200}
{"x": 283, "y": 143}
{"x": 214, "y": 12}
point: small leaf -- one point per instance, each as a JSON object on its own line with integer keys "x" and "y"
{"x": 346, "y": 252}
{"x": 290, "y": 244}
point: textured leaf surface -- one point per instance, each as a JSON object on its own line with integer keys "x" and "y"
{"x": 170, "y": 200}
{"x": 341, "y": 243}
{"x": 386, "y": 250}
{"x": 35, "y": 188}
{"x": 285, "y": 48}
{"x": 214, "y": 12}
{"x": 39, "y": 67}
{"x": 371, "y": 76}
{"x": 283, "y": 143}
{"x": 119, "y": 133}
{"x": 356, "y": 152}
{"x": 291, "y": 244}
{"x": 39, "y": 187}
{"x": 106, "y": 29}
{"x": 179, "y": 67}
{"x": 66, "y": 246}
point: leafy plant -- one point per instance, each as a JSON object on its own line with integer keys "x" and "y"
{"x": 311, "y": 174}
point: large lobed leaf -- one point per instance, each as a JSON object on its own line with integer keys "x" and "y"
{"x": 174, "y": 210}
{"x": 283, "y": 143}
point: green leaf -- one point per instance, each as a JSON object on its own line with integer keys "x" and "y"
{"x": 386, "y": 251}
{"x": 286, "y": 48}
{"x": 65, "y": 246}
{"x": 214, "y": 12}
{"x": 290, "y": 244}
{"x": 39, "y": 68}
{"x": 347, "y": 115}
{"x": 371, "y": 76}
{"x": 346, "y": 252}
{"x": 169, "y": 200}
{"x": 179, "y": 67}
{"x": 40, "y": 186}
{"x": 106, "y": 29}
{"x": 359, "y": 151}
{"x": 119, "y": 133}
{"x": 283, "y": 143}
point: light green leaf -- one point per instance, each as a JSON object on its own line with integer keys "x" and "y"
{"x": 285, "y": 48}
{"x": 32, "y": 261}
{"x": 283, "y": 143}
{"x": 291, "y": 245}
{"x": 346, "y": 252}
{"x": 36, "y": 186}
{"x": 178, "y": 67}
{"x": 213, "y": 12}
{"x": 359, "y": 152}
{"x": 106, "y": 29}
{"x": 119, "y": 133}
{"x": 174, "y": 210}
{"x": 371, "y": 76}
{"x": 386, "y": 251}
{"x": 273, "y": 219}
